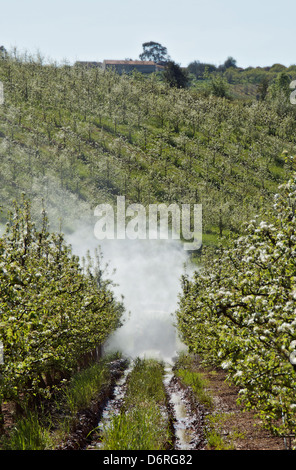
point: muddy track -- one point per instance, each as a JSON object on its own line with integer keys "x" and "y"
{"x": 112, "y": 406}
{"x": 88, "y": 419}
{"x": 185, "y": 415}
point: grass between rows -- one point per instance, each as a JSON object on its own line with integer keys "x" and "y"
{"x": 48, "y": 425}
{"x": 142, "y": 423}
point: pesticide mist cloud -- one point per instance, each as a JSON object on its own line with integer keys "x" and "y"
{"x": 148, "y": 276}
{"x": 147, "y": 273}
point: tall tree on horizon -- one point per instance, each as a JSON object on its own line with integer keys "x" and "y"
{"x": 154, "y": 51}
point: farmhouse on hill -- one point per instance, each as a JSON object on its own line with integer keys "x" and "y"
{"x": 127, "y": 66}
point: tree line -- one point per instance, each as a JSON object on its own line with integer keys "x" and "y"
{"x": 55, "y": 311}
{"x": 238, "y": 313}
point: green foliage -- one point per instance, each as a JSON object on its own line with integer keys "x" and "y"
{"x": 154, "y": 51}
{"x": 142, "y": 423}
{"x": 96, "y": 135}
{"x": 28, "y": 434}
{"x": 197, "y": 383}
{"x": 238, "y": 312}
{"x": 198, "y": 69}
{"x": 218, "y": 86}
{"x": 84, "y": 386}
{"x": 184, "y": 369}
{"x": 175, "y": 76}
{"x": 229, "y": 62}
{"x": 45, "y": 427}
{"x": 246, "y": 84}
{"x": 216, "y": 440}
{"x": 139, "y": 429}
{"x": 53, "y": 311}
{"x": 263, "y": 88}
{"x": 72, "y": 130}
{"x": 145, "y": 383}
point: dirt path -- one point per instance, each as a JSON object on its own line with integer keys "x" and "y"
{"x": 242, "y": 430}
{"x": 184, "y": 414}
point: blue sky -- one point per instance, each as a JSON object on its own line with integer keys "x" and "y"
{"x": 254, "y": 32}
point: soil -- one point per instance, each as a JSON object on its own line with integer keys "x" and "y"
{"x": 241, "y": 429}
{"x": 87, "y": 419}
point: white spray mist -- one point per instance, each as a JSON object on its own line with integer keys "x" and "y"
{"x": 147, "y": 274}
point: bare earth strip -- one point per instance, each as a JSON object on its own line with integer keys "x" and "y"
{"x": 242, "y": 429}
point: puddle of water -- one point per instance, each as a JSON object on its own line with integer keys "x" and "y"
{"x": 184, "y": 434}
{"x": 168, "y": 375}
{"x": 179, "y": 407}
{"x": 113, "y": 405}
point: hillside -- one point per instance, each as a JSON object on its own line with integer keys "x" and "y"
{"x": 95, "y": 135}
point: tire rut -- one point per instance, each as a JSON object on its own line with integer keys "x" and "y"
{"x": 186, "y": 414}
